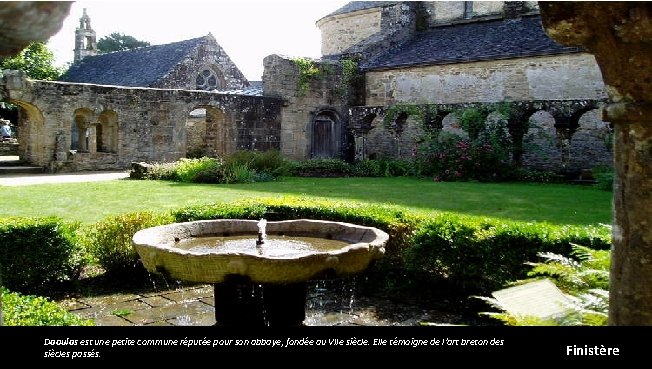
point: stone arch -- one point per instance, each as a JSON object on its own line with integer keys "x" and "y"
{"x": 591, "y": 142}
{"x": 541, "y": 148}
{"x": 325, "y": 134}
{"x": 408, "y": 137}
{"x": 361, "y": 130}
{"x": 196, "y": 145}
{"x": 82, "y": 132}
{"x": 107, "y": 132}
{"x": 33, "y": 145}
{"x": 209, "y": 132}
{"x": 451, "y": 124}
{"x": 380, "y": 140}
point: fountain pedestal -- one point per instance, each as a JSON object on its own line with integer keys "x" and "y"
{"x": 239, "y": 302}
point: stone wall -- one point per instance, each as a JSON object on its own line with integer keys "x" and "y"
{"x": 9, "y": 148}
{"x": 325, "y": 94}
{"x": 343, "y": 31}
{"x": 571, "y": 76}
{"x": 130, "y": 124}
{"x": 368, "y": 32}
{"x": 561, "y": 136}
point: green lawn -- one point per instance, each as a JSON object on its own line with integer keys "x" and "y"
{"x": 92, "y": 201}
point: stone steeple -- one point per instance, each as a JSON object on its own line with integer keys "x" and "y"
{"x": 85, "y": 39}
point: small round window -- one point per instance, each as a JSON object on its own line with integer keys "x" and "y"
{"x": 206, "y": 80}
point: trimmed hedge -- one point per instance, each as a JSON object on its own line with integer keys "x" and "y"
{"x": 482, "y": 254}
{"x": 20, "y": 310}
{"x": 110, "y": 241}
{"x": 38, "y": 253}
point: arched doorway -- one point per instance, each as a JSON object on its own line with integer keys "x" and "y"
{"x": 208, "y": 133}
{"x": 33, "y": 148}
{"x": 326, "y": 135}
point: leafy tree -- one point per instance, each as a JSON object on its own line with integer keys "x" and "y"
{"x": 119, "y": 42}
{"x": 36, "y": 60}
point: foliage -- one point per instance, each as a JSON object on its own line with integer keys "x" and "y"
{"x": 36, "y": 60}
{"x": 539, "y": 176}
{"x": 110, "y": 240}
{"x": 384, "y": 167}
{"x": 240, "y": 167}
{"x": 38, "y": 253}
{"x": 482, "y": 254}
{"x": 350, "y": 71}
{"x": 20, "y": 310}
{"x": 352, "y": 80}
{"x": 605, "y": 178}
{"x": 270, "y": 161}
{"x": 401, "y": 111}
{"x": 239, "y": 173}
{"x": 484, "y": 156}
{"x": 162, "y": 171}
{"x": 320, "y": 167}
{"x": 119, "y": 42}
{"x": 472, "y": 120}
{"x": 583, "y": 275}
{"x": 308, "y": 71}
{"x": 202, "y": 170}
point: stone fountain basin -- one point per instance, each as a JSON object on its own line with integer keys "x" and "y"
{"x": 157, "y": 250}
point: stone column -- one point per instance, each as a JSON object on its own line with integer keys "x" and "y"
{"x": 92, "y": 138}
{"x": 619, "y": 34}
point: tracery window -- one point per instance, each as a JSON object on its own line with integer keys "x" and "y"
{"x": 207, "y": 80}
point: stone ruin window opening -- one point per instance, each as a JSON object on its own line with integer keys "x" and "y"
{"x": 80, "y": 134}
{"x": 209, "y": 80}
{"x": 106, "y": 132}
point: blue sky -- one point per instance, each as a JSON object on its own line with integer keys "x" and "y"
{"x": 248, "y": 30}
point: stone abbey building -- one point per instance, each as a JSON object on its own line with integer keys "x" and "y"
{"x": 165, "y": 102}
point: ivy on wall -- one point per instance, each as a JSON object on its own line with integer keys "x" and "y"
{"x": 308, "y": 71}
{"x": 394, "y": 112}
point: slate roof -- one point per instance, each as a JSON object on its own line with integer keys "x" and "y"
{"x": 476, "y": 41}
{"x": 134, "y": 68}
{"x": 354, "y": 6}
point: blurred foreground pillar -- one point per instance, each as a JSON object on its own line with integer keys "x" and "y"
{"x": 619, "y": 34}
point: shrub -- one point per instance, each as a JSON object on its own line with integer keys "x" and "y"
{"x": 270, "y": 162}
{"x": 322, "y": 168}
{"x": 20, "y": 310}
{"x": 538, "y": 176}
{"x": 202, "y": 170}
{"x": 238, "y": 173}
{"x": 110, "y": 241}
{"x": 37, "y": 253}
{"x": 367, "y": 168}
{"x": 605, "y": 178}
{"x": 480, "y": 255}
{"x": 162, "y": 171}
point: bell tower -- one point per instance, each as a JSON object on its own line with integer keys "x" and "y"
{"x": 85, "y": 39}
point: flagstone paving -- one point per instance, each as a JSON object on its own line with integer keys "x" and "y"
{"x": 193, "y": 305}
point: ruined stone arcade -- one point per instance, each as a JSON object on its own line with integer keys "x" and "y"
{"x": 72, "y": 127}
